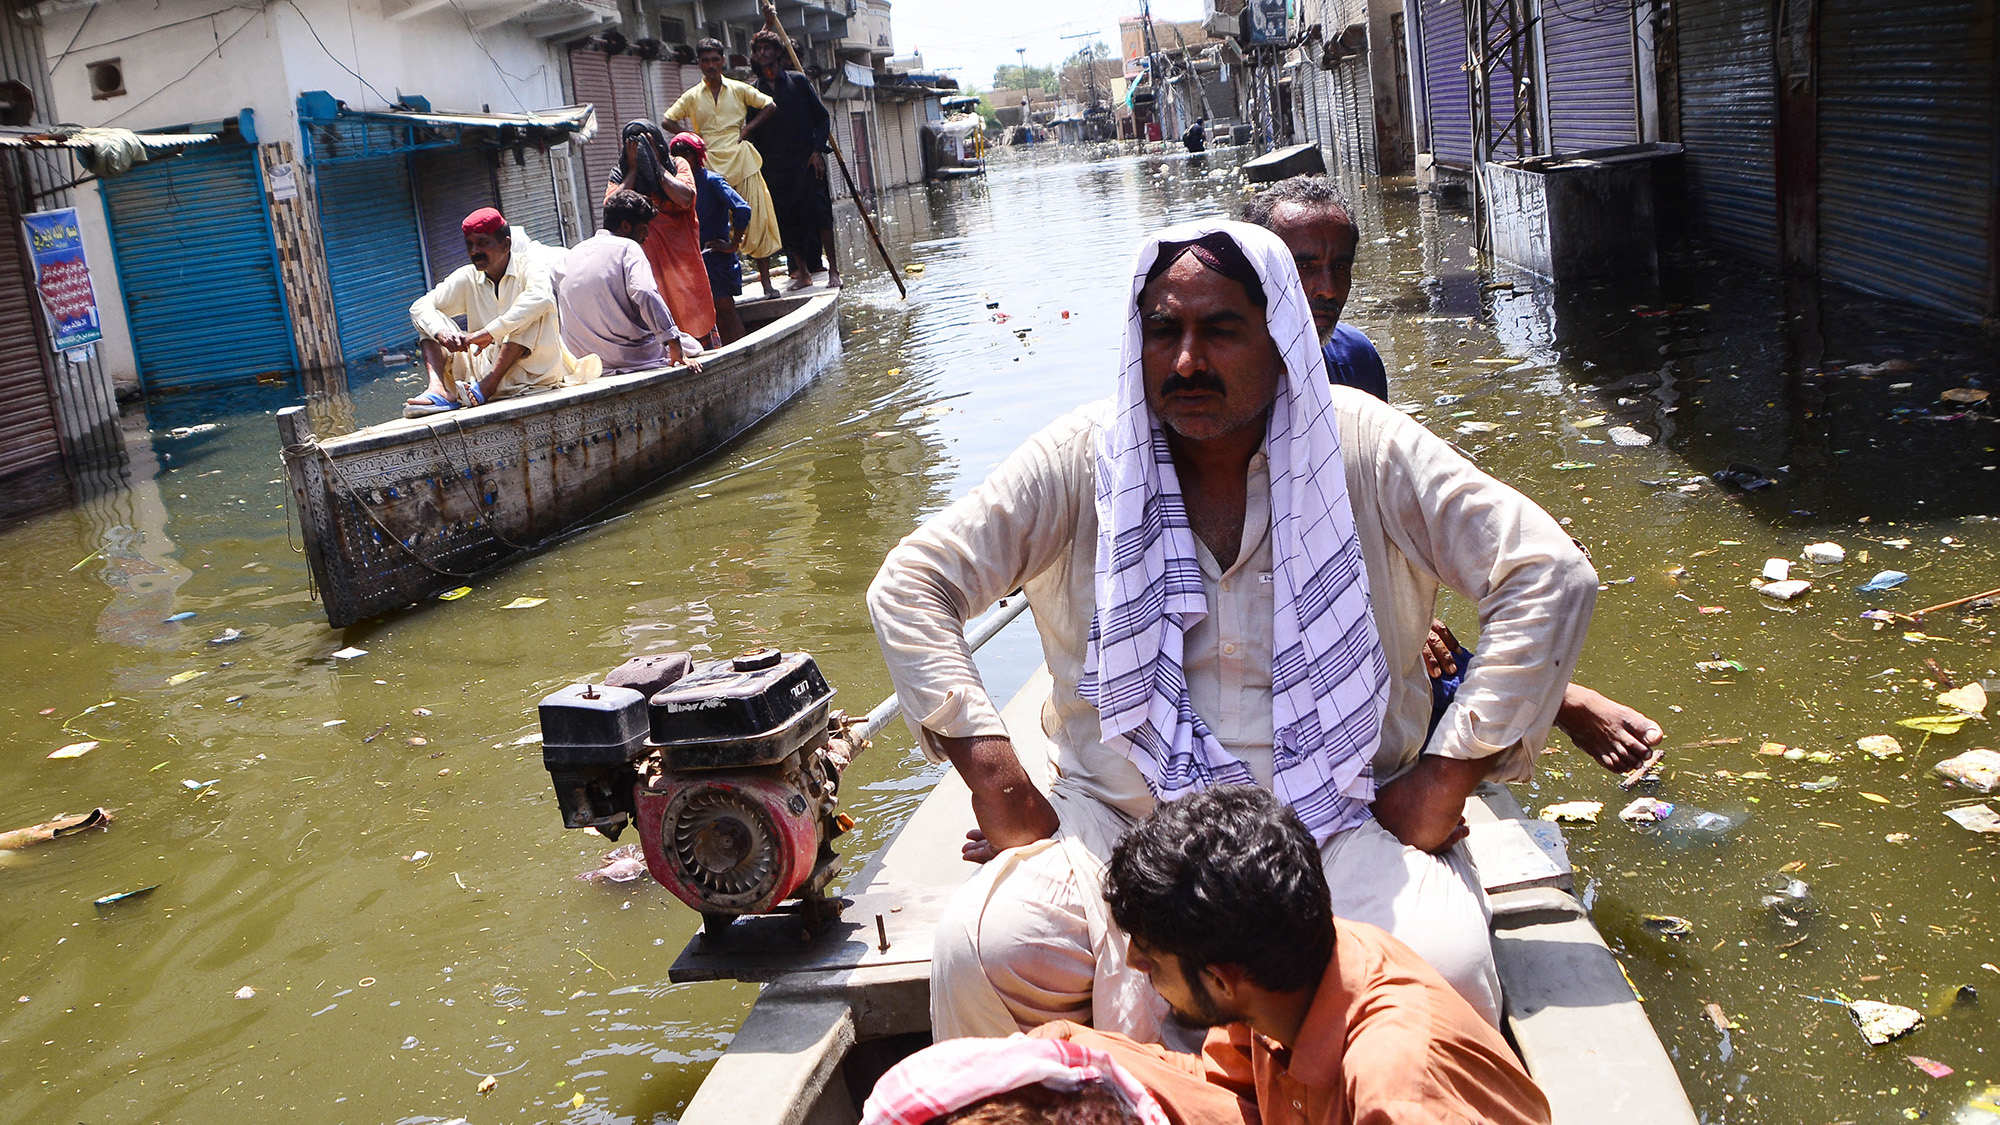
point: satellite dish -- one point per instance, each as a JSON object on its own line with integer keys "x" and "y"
{"x": 17, "y": 103}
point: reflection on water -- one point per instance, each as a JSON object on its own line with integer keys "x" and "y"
{"x": 385, "y": 986}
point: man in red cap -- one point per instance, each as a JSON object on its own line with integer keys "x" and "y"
{"x": 511, "y": 344}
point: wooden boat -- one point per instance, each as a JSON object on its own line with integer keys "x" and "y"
{"x": 838, "y": 1013}
{"x": 395, "y": 513}
{"x": 1284, "y": 163}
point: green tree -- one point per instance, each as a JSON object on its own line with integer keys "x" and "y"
{"x": 1009, "y": 76}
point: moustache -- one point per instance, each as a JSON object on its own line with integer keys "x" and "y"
{"x": 1175, "y": 384}
{"x": 1323, "y": 308}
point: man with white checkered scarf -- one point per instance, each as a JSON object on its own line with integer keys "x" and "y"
{"x": 1232, "y": 566}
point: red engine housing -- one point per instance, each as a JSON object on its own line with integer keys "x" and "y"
{"x": 739, "y": 842}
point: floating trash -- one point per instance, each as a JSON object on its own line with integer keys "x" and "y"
{"x": 227, "y": 637}
{"x": 1777, "y": 570}
{"x": 75, "y": 750}
{"x": 1825, "y": 554}
{"x": 1977, "y": 770}
{"x": 245, "y": 993}
{"x": 1981, "y": 1108}
{"x": 454, "y": 593}
{"x": 1646, "y": 810}
{"x": 1789, "y": 900}
{"x": 1821, "y": 785}
{"x": 1747, "y": 478}
{"x": 349, "y": 653}
{"x": 181, "y": 616}
{"x": 1975, "y": 818}
{"x": 1884, "y": 580}
{"x": 1880, "y": 745}
{"x": 1574, "y": 812}
{"x": 524, "y": 603}
{"x": 1879, "y": 1022}
{"x": 1628, "y": 437}
{"x": 1931, "y": 1067}
{"x": 1970, "y": 699}
{"x": 122, "y": 896}
{"x": 1785, "y": 591}
{"x": 191, "y": 783}
{"x": 1572, "y": 466}
{"x": 621, "y": 865}
{"x": 1722, "y": 666}
{"x": 1665, "y": 925}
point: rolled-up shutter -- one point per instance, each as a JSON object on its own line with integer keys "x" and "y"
{"x": 1906, "y": 149}
{"x": 616, "y": 85}
{"x": 451, "y": 184}
{"x": 28, "y": 440}
{"x": 1588, "y": 59}
{"x": 197, "y": 266}
{"x": 1447, "y": 87}
{"x": 1729, "y": 99}
{"x": 528, "y": 194}
{"x": 668, "y": 80}
{"x": 368, "y": 217}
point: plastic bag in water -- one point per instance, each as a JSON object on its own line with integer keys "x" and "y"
{"x": 1688, "y": 825}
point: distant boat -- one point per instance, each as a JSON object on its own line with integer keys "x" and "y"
{"x": 399, "y": 512}
{"x": 838, "y": 1011}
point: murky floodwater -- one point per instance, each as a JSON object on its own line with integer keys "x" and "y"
{"x": 275, "y": 795}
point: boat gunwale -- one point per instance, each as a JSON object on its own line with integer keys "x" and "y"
{"x": 399, "y": 432}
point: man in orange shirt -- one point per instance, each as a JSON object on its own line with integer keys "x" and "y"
{"x": 1319, "y": 1020}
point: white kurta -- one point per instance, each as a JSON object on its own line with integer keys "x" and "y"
{"x": 1424, "y": 516}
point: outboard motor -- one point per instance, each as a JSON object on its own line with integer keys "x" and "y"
{"x": 731, "y": 772}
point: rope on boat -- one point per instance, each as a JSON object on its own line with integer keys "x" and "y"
{"x": 313, "y": 447}
{"x": 981, "y": 631}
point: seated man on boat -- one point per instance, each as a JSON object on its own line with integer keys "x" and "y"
{"x": 516, "y": 347}
{"x": 1316, "y": 1019}
{"x": 1009, "y": 1081}
{"x": 1315, "y": 220}
{"x": 1233, "y": 567}
{"x": 608, "y": 303}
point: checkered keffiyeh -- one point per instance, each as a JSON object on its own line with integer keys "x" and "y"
{"x": 949, "y": 1076}
{"x": 1329, "y": 677}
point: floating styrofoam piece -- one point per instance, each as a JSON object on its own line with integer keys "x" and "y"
{"x": 1825, "y": 554}
{"x": 1785, "y": 591}
{"x": 1777, "y": 570}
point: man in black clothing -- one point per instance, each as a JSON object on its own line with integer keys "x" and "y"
{"x": 1196, "y": 137}
{"x": 793, "y": 143}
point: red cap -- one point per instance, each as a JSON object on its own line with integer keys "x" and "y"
{"x": 691, "y": 141}
{"x": 484, "y": 221}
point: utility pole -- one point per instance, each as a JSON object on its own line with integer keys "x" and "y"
{"x": 1161, "y": 91}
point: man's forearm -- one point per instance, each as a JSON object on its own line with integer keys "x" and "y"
{"x": 1010, "y": 810}
{"x": 1423, "y": 807}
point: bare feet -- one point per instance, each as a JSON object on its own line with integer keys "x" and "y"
{"x": 799, "y": 281}
{"x": 1617, "y": 736}
{"x": 832, "y": 278}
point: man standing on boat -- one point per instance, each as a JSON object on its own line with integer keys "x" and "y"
{"x": 1313, "y": 217}
{"x": 793, "y": 142}
{"x": 1232, "y": 565}
{"x": 607, "y": 300}
{"x": 719, "y": 109}
{"x": 513, "y": 345}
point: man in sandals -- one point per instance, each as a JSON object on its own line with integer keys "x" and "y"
{"x": 511, "y": 344}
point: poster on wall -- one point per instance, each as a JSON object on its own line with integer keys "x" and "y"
{"x": 55, "y": 241}
{"x": 1267, "y": 22}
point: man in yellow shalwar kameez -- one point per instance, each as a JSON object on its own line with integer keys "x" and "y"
{"x": 719, "y": 111}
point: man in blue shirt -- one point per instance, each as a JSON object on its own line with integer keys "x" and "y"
{"x": 1314, "y": 218}
{"x": 724, "y": 219}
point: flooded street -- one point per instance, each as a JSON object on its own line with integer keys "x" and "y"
{"x": 365, "y": 899}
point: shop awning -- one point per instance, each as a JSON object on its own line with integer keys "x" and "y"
{"x": 334, "y": 132}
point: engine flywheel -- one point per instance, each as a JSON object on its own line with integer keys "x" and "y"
{"x": 725, "y": 844}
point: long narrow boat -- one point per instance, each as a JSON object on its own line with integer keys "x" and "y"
{"x": 395, "y": 513}
{"x": 838, "y": 1013}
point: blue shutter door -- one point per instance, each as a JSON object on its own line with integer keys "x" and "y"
{"x": 1447, "y": 89}
{"x": 368, "y": 218}
{"x": 1588, "y": 57}
{"x": 1729, "y": 106}
{"x": 1906, "y": 123}
{"x": 198, "y": 268}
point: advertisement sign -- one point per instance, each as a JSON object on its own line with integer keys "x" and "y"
{"x": 1267, "y": 22}
{"x": 55, "y": 243}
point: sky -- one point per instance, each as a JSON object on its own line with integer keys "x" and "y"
{"x": 968, "y": 38}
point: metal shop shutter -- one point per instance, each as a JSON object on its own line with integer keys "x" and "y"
{"x": 193, "y": 240}
{"x": 28, "y": 439}
{"x": 616, "y": 85}
{"x": 669, "y": 81}
{"x": 1906, "y": 140}
{"x": 528, "y": 195}
{"x": 1587, "y": 60}
{"x": 1447, "y": 86}
{"x": 451, "y": 184}
{"x": 1729, "y": 104}
{"x": 368, "y": 217}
